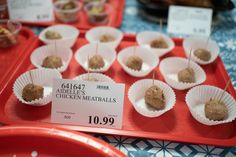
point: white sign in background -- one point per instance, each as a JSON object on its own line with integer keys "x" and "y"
{"x": 87, "y": 103}
{"x": 31, "y": 10}
{"x": 189, "y": 20}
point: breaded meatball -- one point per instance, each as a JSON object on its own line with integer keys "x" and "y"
{"x": 134, "y": 62}
{"x": 106, "y": 38}
{"x": 96, "y": 62}
{"x": 216, "y": 110}
{"x": 186, "y": 75}
{"x": 52, "y": 62}
{"x": 32, "y": 92}
{"x": 52, "y": 35}
{"x": 155, "y": 98}
{"x": 159, "y": 43}
{"x": 202, "y": 54}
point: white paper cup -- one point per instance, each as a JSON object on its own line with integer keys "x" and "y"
{"x": 89, "y": 50}
{"x": 99, "y": 77}
{"x": 69, "y": 35}
{"x": 39, "y": 54}
{"x": 199, "y": 95}
{"x": 145, "y": 38}
{"x": 170, "y": 67}
{"x": 200, "y": 42}
{"x": 94, "y": 35}
{"x": 41, "y": 77}
{"x": 150, "y": 60}
{"x": 136, "y": 96}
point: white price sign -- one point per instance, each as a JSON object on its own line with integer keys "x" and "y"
{"x": 87, "y": 103}
{"x": 31, "y": 10}
{"x": 189, "y": 20}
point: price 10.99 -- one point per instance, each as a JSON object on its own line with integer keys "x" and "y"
{"x": 101, "y": 121}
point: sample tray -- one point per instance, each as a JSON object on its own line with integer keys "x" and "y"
{"x": 10, "y": 57}
{"x": 115, "y": 16}
{"x": 175, "y": 125}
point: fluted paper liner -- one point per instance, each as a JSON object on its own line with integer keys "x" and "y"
{"x": 98, "y": 76}
{"x": 41, "y": 77}
{"x": 39, "y": 54}
{"x": 69, "y": 35}
{"x": 199, "y": 95}
{"x": 94, "y": 35}
{"x": 150, "y": 60}
{"x": 145, "y": 38}
{"x": 136, "y": 95}
{"x": 201, "y": 42}
{"x": 170, "y": 67}
{"x": 108, "y": 54}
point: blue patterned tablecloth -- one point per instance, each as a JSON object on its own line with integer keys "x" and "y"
{"x": 138, "y": 147}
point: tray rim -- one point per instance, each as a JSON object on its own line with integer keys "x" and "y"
{"x": 116, "y": 24}
{"x": 138, "y": 134}
{"x": 32, "y": 37}
{"x": 60, "y": 133}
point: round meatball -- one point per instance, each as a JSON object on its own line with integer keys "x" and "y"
{"x": 52, "y": 35}
{"x": 134, "y": 62}
{"x": 52, "y": 62}
{"x": 107, "y": 38}
{"x": 155, "y": 98}
{"x": 159, "y": 43}
{"x": 216, "y": 110}
{"x": 96, "y": 62}
{"x": 202, "y": 54}
{"x": 186, "y": 75}
{"x": 32, "y": 92}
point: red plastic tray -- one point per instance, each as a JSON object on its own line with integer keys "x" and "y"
{"x": 22, "y": 141}
{"x": 175, "y": 125}
{"x": 115, "y": 17}
{"x": 9, "y": 57}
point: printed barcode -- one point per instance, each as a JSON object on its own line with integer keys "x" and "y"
{"x": 103, "y": 87}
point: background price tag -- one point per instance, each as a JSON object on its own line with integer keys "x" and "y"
{"x": 31, "y": 10}
{"x": 189, "y": 20}
{"x": 86, "y": 103}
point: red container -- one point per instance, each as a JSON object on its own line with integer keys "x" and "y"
{"x": 22, "y": 141}
{"x": 115, "y": 17}
{"x": 10, "y": 57}
{"x": 176, "y": 125}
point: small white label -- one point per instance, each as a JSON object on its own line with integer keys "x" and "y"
{"x": 31, "y": 10}
{"x": 87, "y": 103}
{"x": 189, "y": 20}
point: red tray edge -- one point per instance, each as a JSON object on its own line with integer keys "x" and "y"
{"x": 139, "y": 134}
{"x": 62, "y": 133}
{"x": 215, "y": 142}
{"x": 32, "y": 37}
